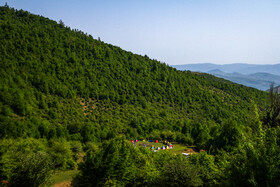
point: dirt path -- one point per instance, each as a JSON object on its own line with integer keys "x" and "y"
{"x": 64, "y": 184}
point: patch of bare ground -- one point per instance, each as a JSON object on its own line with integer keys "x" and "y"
{"x": 193, "y": 151}
{"x": 88, "y": 106}
{"x": 64, "y": 184}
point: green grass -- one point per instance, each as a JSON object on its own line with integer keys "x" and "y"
{"x": 63, "y": 176}
{"x": 177, "y": 148}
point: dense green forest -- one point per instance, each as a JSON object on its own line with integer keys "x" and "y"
{"x": 63, "y": 92}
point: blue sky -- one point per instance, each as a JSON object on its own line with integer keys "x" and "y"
{"x": 175, "y": 31}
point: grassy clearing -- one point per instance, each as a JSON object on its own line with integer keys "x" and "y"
{"x": 177, "y": 149}
{"x": 63, "y": 176}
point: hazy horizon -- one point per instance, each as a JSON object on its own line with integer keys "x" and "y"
{"x": 225, "y": 64}
{"x": 175, "y": 32}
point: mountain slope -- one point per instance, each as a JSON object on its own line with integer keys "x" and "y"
{"x": 62, "y": 83}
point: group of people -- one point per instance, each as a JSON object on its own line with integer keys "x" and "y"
{"x": 167, "y": 144}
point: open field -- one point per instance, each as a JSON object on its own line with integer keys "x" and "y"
{"x": 177, "y": 148}
{"x": 63, "y": 178}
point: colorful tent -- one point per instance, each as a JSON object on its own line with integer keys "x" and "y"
{"x": 132, "y": 141}
{"x": 150, "y": 141}
{"x": 136, "y": 140}
{"x": 156, "y": 141}
{"x": 163, "y": 148}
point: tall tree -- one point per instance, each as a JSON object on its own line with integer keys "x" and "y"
{"x": 272, "y": 116}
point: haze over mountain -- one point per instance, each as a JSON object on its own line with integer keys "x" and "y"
{"x": 252, "y": 75}
{"x": 241, "y": 68}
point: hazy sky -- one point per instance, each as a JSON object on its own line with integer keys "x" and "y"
{"x": 175, "y": 31}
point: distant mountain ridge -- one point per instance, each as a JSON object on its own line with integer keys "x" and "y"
{"x": 252, "y": 75}
{"x": 231, "y": 68}
{"x": 260, "y": 81}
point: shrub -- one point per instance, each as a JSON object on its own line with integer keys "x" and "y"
{"x": 33, "y": 170}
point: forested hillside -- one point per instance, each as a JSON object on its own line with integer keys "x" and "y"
{"x": 61, "y": 89}
{"x": 65, "y": 82}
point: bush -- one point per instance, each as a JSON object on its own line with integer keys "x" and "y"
{"x": 210, "y": 173}
{"x": 180, "y": 172}
{"x": 34, "y": 169}
{"x": 61, "y": 152}
{"x": 90, "y": 146}
{"x": 76, "y": 146}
